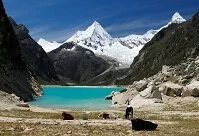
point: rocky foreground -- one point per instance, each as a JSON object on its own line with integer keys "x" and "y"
{"x": 172, "y": 83}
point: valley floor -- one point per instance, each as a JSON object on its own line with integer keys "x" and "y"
{"x": 172, "y": 121}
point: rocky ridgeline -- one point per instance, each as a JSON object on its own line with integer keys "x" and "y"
{"x": 34, "y": 56}
{"x": 181, "y": 80}
{"x": 15, "y": 77}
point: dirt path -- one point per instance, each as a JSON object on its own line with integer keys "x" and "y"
{"x": 117, "y": 122}
{"x": 64, "y": 122}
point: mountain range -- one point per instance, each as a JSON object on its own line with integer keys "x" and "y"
{"x": 123, "y": 50}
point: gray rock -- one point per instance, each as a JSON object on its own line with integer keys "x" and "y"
{"x": 124, "y": 98}
{"x": 186, "y": 92}
{"x": 173, "y": 92}
{"x": 140, "y": 85}
{"x": 141, "y": 102}
{"x": 195, "y": 92}
{"x": 23, "y": 105}
{"x": 151, "y": 92}
{"x": 194, "y": 84}
{"x": 166, "y": 70}
{"x": 171, "y": 89}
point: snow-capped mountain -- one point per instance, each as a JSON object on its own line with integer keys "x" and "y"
{"x": 94, "y": 36}
{"x": 177, "y": 18}
{"x": 139, "y": 40}
{"x": 48, "y": 46}
{"x": 123, "y": 49}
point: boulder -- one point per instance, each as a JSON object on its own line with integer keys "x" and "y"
{"x": 194, "y": 87}
{"x": 171, "y": 89}
{"x": 141, "y": 102}
{"x": 195, "y": 92}
{"x": 121, "y": 99}
{"x": 140, "y": 85}
{"x": 166, "y": 70}
{"x": 173, "y": 92}
{"x": 151, "y": 92}
{"x": 186, "y": 92}
{"x": 194, "y": 84}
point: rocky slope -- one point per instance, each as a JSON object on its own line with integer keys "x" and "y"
{"x": 170, "y": 46}
{"x": 77, "y": 63}
{"x": 34, "y": 56}
{"x": 170, "y": 83}
{"x": 15, "y": 76}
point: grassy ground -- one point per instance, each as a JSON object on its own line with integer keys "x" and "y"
{"x": 181, "y": 128}
{"x": 168, "y": 125}
{"x": 43, "y": 115}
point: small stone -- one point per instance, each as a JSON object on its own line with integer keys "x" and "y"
{"x": 23, "y": 105}
{"x": 69, "y": 132}
{"x": 11, "y": 129}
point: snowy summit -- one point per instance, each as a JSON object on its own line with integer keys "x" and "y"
{"x": 177, "y": 18}
{"x": 94, "y": 36}
{"x": 48, "y": 46}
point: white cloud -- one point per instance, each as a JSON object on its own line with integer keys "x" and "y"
{"x": 39, "y": 30}
{"x": 136, "y": 24}
{"x": 53, "y": 33}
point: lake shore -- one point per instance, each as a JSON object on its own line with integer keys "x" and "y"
{"x": 109, "y": 86}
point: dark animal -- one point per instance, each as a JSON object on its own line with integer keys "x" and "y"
{"x": 104, "y": 115}
{"x": 67, "y": 116}
{"x": 139, "y": 124}
{"x": 129, "y": 112}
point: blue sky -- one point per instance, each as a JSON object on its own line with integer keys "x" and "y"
{"x": 59, "y": 19}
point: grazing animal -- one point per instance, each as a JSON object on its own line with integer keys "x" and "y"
{"x": 67, "y": 116}
{"x": 139, "y": 124}
{"x": 129, "y": 112}
{"x": 104, "y": 115}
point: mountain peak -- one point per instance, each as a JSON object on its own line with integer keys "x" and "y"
{"x": 48, "y": 46}
{"x": 95, "y": 35}
{"x": 96, "y": 28}
{"x": 177, "y": 18}
{"x": 95, "y": 23}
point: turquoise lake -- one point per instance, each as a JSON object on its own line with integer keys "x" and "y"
{"x": 75, "y": 98}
